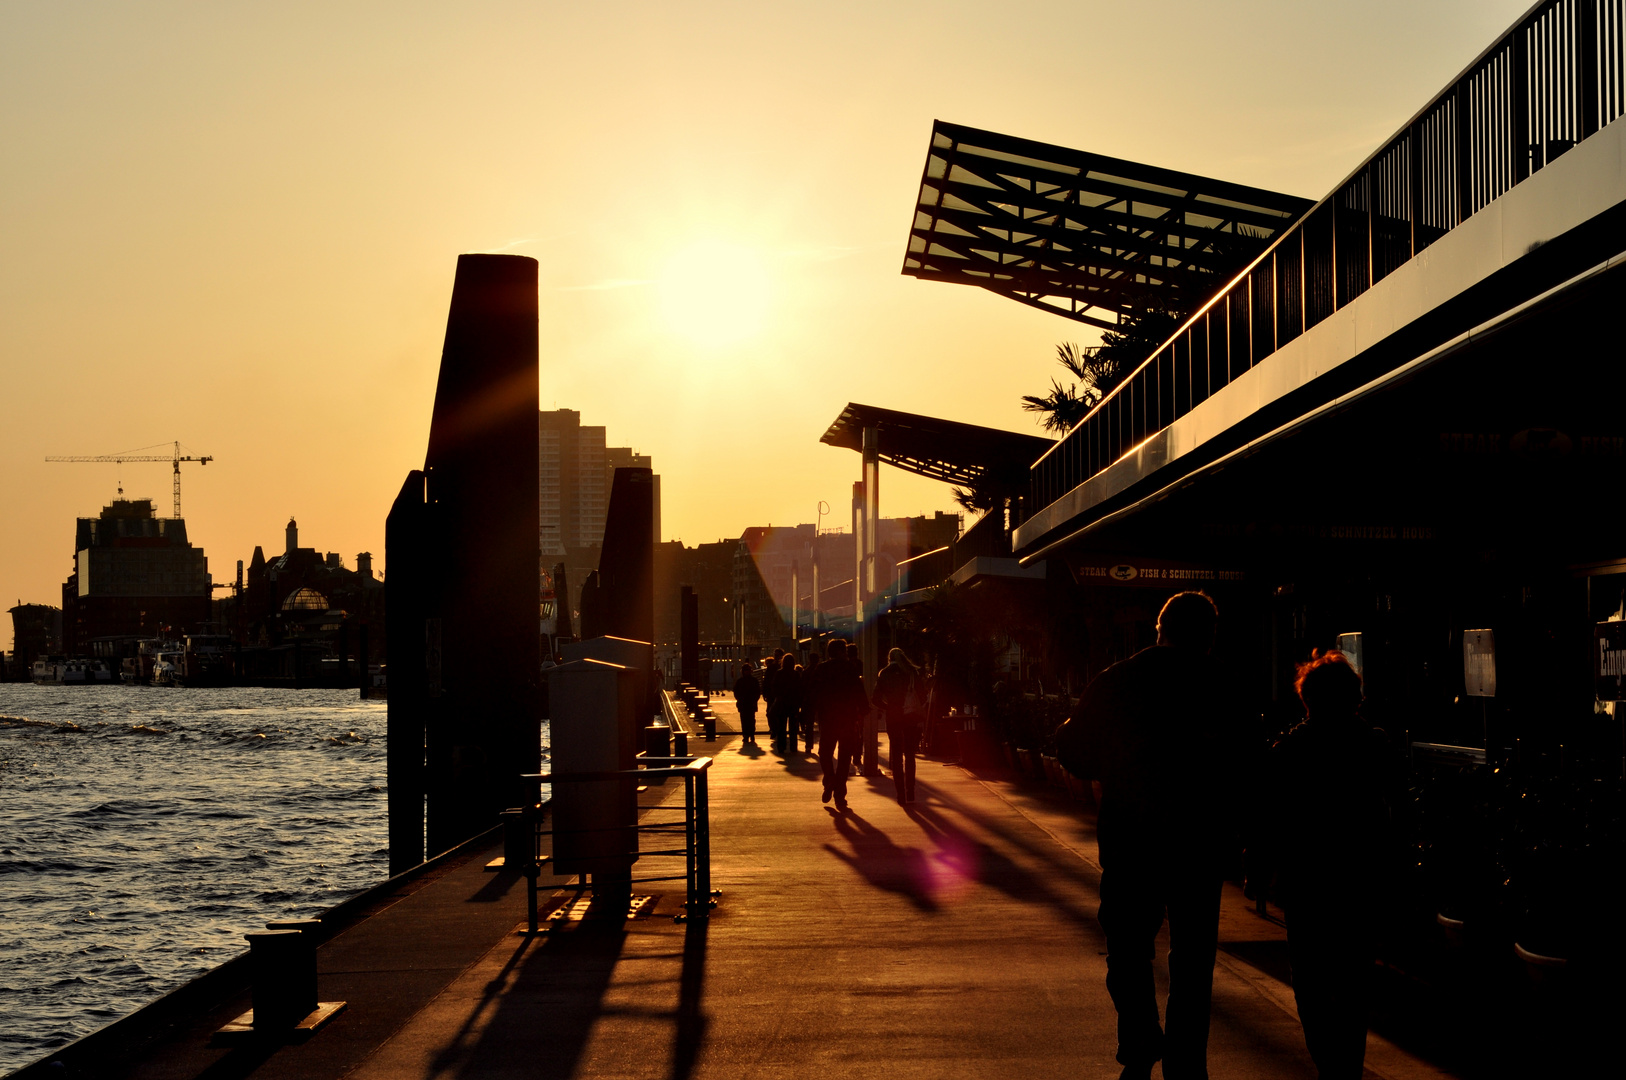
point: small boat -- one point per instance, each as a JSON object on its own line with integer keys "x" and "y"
{"x": 63, "y": 671}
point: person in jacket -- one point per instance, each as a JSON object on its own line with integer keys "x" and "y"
{"x": 1160, "y": 734}
{"x": 839, "y": 703}
{"x": 747, "y": 692}
{"x": 804, "y": 710}
{"x": 1331, "y": 786}
{"x": 770, "y": 677}
{"x": 787, "y": 704}
{"x": 898, "y": 694}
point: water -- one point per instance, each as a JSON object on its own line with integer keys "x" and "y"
{"x": 143, "y": 831}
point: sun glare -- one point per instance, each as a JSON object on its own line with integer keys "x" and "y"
{"x": 714, "y": 293}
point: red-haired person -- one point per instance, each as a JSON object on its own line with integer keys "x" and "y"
{"x": 1329, "y": 801}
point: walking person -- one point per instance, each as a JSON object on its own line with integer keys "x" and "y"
{"x": 839, "y": 703}
{"x": 1158, "y": 732}
{"x": 1330, "y": 785}
{"x": 804, "y": 707}
{"x": 898, "y": 695}
{"x": 747, "y": 692}
{"x": 770, "y": 677}
{"x": 787, "y": 703}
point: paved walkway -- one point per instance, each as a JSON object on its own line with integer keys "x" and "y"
{"x": 954, "y": 938}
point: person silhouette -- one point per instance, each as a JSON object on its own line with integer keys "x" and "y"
{"x": 1160, "y": 735}
{"x": 747, "y": 692}
{"x": 1330, "y": 790}
{"x": 898, "y": 694}
{"x": 836, "y": 694}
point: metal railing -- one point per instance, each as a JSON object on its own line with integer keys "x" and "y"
{"x": 1554, "y": 79}
{"x": 525, "y": 838}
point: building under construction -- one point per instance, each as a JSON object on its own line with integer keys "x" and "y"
{"x": 135, "y": 575}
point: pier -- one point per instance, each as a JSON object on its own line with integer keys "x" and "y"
{"x": 953, "y": 938}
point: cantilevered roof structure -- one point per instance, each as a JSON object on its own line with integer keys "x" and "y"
{"x": 1094, "y": 238}
{"x": 941, "y": 449}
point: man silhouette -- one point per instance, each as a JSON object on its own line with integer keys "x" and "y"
{"x": 837, "y": 697}
{"x": 1158, "y": 734}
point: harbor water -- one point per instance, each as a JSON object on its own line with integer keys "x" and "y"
{"x": 144, "y": 830}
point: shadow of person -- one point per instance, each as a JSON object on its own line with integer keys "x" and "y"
{"x": 750, "y": 750}
{"x": 806, "y": 767}
{"x": 969, "y": 858}
{"x": 881, "y": 862}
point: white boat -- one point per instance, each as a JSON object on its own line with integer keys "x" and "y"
{"x": 59, "y": 671}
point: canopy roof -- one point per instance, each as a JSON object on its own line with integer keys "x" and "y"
{"x": 1095, "y": 238}
{"x": 941, "y": 449}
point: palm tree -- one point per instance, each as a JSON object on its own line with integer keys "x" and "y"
{"x": 1096, "y": 370}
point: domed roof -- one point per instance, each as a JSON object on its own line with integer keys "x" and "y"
{"x": 306, "y": 599}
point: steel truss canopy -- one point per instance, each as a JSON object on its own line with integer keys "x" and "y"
{"x": 1094, "y": 238}
{"x": 940, "y": 449}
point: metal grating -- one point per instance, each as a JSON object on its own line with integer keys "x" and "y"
{"x": 1095, "y": 238}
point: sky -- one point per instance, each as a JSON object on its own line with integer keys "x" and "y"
{"x": 235, "y": 225}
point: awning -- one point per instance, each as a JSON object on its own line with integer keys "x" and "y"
{"x": 941, "y": 449}
{"x": 1083, "y": 235}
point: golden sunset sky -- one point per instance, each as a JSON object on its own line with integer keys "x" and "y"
{"x": 235, "y": 224}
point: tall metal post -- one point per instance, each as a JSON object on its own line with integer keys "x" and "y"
{"x": 795, "y": 602}
{"x": 869, "y": 638}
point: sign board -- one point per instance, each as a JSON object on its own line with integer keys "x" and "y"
{"x": 1147, "y": 573}
{"x": 1350, "y": 646}
{"x": 1609, "y": 660}
{"x": 1479, "y": 663}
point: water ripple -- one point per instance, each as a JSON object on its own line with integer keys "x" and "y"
{"x": 147, "y": 832}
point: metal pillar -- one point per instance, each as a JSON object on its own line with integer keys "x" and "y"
{"x": 795, "y": 603}
{"x": 868, "y": 587}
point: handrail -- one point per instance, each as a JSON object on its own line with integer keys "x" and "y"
{"x": 696, "y": 825}
{"x": 676, "y": 718}
{"x": 1553, "y": 79}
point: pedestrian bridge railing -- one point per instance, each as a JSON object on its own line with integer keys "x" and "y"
{"x": 689, "y": 823}
{"x": 1552, "y": 81}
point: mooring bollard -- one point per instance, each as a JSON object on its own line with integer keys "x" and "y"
{"x": 282, "y": 967}
{"x": 283, "y": 963}
{"x": 518, "y": 839}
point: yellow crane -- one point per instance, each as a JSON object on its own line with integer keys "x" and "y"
{"x": 174, "y": 459}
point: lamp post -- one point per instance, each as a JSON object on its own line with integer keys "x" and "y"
{"x": 823, "y": 509}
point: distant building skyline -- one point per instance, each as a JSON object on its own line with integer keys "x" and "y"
{"x": 134, "y": 575}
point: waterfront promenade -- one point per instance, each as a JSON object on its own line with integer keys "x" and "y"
{"x": 955, "y": 938}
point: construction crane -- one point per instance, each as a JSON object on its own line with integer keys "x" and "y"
{"x": 174, "y": 459}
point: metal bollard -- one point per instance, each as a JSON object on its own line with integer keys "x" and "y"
{"x": 518, "y": 841}
{"x": 658, "y": 740}
{"x": 283, "y": 963}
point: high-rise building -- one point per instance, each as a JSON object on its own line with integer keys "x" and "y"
{"x": 135, "y": 574}
{"x": 575, "y": 474}
{"x": 572, "y": 485}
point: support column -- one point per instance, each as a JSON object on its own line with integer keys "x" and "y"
{"x": 869, "y": 638}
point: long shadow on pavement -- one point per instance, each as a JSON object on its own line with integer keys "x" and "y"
{"x": 550, "y": 997}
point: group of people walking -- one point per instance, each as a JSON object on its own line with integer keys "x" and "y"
{"x": 828, "y": 698}
{"x": 1182, "y": 788}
